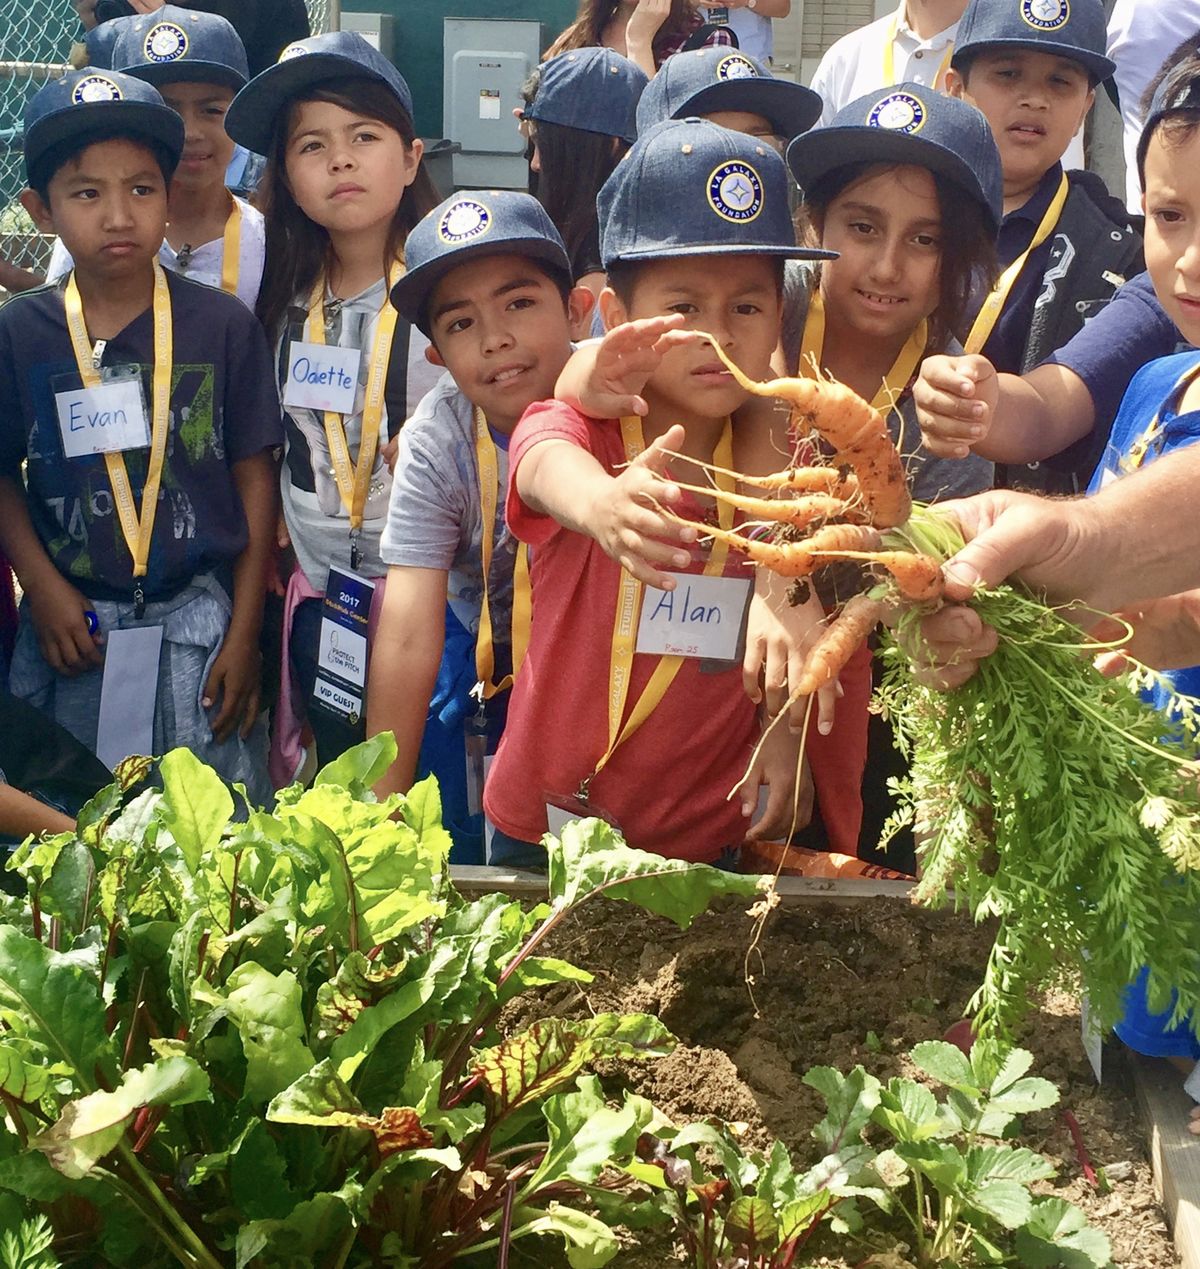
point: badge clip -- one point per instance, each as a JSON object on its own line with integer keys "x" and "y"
{"x": 139, "y": 602}
{"x": 355, "y": 553}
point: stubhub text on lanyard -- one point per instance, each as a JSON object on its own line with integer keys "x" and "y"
{"x": 110, "y": 417}
{"x": 325, "y": 379}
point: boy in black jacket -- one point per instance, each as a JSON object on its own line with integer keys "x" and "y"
{"x": 1066, "y": 244}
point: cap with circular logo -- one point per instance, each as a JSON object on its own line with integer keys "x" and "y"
{"x": 1075, "y": 29}
{"x": 251, "y": 118}
{"x": 103, "y": 104}
{"x": 690, "y": 188}
{"x": 707, "y": 80}
{"x": 173, "y": 45}
{"x": 592, "y": 89}
{"x": 908, "y": 124}
{"x": 467, "y": 225}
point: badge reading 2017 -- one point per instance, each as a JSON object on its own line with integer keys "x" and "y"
{"x": 735, "y": 66}
{"x": 898, "y": 112}
{"x": 1045, "y": 15}
{"x": 95, "y": 88}
{"x": 165, "y": 43}
{"x": 464, "y": 220}
{"x": 735, "y": 191}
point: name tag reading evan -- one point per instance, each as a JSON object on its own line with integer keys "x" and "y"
{"x": 342, "y": 647}
{"x": 103, "y": 420}
{"x": 701, "y": 617}
{"x": 322, "y": 378}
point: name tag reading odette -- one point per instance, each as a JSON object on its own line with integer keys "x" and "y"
{"x": 107, "y": 419}
{"x": 342, "y": 649}
{"x": 322, "y": 377}
{"x": 702, "y": 617}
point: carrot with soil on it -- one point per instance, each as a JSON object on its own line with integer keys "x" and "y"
{"x": 797, "y": 512}
{"x": 857, "y": 432}
{"x": 793, "y": 559}
{"x": 838, "y": 482}
{"x": 918, "y": 577}
{"x": 838, "y": 643}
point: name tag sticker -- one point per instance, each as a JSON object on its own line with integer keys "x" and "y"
{"x": 701, "y": 617}
{"x": 103, "y": 420}
{"x": 342, "y": 645}
{"x": 322, "y": 378}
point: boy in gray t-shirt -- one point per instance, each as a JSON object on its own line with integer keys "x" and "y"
{"x": 489, "y": 283}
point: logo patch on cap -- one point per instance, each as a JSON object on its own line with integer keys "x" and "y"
{"x": 898, "y": 112}
{"x": 735, "y": 191}
{"x": 1045, "y": 15}
{"x": 96, "y": 88}
{"x": 165, "y": 43}
{"x": 735, "y": 66}
{"x": 292, "y": 50}
{"x": 463, "y": 221}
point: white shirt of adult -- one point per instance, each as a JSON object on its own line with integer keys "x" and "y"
{"x": 1142, "y": 34}
{"x": 203, "y": 263}
{"x": 755, "y": 34}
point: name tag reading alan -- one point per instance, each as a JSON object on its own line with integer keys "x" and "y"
{"x": 701, "y": 617}
{"x": 103, "y": 420}
{"x": 322, "y": 378}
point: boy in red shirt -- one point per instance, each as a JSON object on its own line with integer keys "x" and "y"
{"x": 630, "y": 705}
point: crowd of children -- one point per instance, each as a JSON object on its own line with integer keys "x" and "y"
{"x": 364, "y": 412}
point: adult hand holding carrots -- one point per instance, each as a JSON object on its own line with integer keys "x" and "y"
{"x": 956, "y": 400}
{"x": 603, "y": 378}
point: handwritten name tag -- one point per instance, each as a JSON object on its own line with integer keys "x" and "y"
{"x": 322, "y": 378}
{"x": 701, "y": 617}
{"x": 103, "y": 420}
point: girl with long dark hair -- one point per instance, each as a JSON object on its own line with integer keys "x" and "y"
{"x": 645, "y": 31}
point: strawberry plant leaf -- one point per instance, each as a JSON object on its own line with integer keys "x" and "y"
{"x": 947, "y": 1064}
{"x": 1008, "y": 1203}
{"x": 909, "y": 1111}
{"x": 1057, "y": 1233}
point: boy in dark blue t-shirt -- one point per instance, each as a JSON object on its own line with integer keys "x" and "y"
{"x": 145, "y": 407}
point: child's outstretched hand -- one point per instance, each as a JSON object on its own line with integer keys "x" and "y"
{"x": 956, "y": 400}
{"x": 789, "y": 802}
{"x": 58, "y": 612}
{"x": 234, "y": 682}
{"x": 603, "y": 379}
{"x": 627, "y": 520}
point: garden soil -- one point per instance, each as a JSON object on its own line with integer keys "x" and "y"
{"x": 838, "y": 985}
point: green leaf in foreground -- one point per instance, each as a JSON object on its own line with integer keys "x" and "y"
{"x": 590, "y": 857}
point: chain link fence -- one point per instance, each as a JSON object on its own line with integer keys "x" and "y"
{"x": 36, "y": 37}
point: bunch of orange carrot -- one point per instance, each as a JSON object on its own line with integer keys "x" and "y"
{"x": 833, "y": 510}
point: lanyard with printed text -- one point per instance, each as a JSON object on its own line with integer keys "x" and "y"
{"x": 629, "y": 607}
{"x": 889, "y": 53}
{"x": 993, "y": 306}
{"x": 354, "y": 478}
{"x": 522, "y": 603}
{"x": 231, "y": 250}
{"x": 812, "y": 350}
{"x": 137, "y": 529}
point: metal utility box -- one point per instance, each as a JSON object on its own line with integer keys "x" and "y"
{"x": 486, "y": 62}
{"x": 378, "y": 29}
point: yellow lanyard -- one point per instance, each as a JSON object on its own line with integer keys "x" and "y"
{"x": 136, "y": 529}
{"x": 812, "y": 349}
{"x": 231, "y": 250}
{"x": 522, "y": 604}
{"x": 1140, "y": 449}
{"x": 889, "y": 53}
{"x": 993, "y": 306}
{"x": 354, "y": 479}
{"x": 629, "y": 610}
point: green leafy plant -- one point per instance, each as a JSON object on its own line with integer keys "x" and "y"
{"x": 273, "y": 1038}
{"x": 1049, "y": 798}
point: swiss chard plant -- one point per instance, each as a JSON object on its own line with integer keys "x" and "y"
{"x": 234, "y": 1037}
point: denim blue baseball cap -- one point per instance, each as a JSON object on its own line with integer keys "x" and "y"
{"x": 1178, "y": 94}
{"x": 470, "y": 224}
{"x": 252, "y": 117}
{"x": 101, "y": 104}
{"x": 705, "y": 80}
{"x": 908, "y": 124}
{"x": 172, "y": 45}
{"x": 593, "y": 89}
{"x": 691, "y": 188}
{"x": 1075, "y": 29}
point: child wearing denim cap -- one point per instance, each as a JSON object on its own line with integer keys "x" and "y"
{"x": 143, "y": 408}
{"x": 582, "y": 120}
{"x": 489, "y": 283}
{"x": 197, "y": 62}
{"x": 694, "y": 224}
{"x": 1065, "y": 243}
